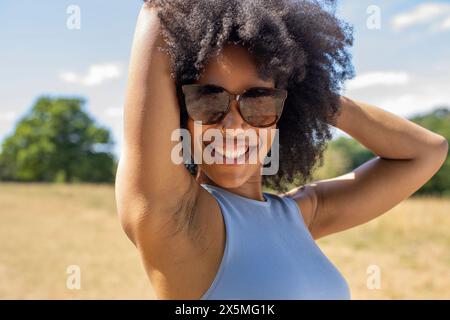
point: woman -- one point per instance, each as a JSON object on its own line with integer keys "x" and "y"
{"x": 257, "y": 66}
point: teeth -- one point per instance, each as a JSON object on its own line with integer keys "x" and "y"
{"x": 231, "y": 154}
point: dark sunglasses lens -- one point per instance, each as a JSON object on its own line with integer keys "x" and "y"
{"x": 263, "y": 109}
{"x": 206, "y": 104}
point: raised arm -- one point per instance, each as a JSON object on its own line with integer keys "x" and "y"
{"x": 175, "y": 224}
{"x": 149, "y": 186}
{"x": 407, "y": 157}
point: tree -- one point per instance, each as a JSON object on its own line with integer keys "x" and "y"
{"x": 437, "y": 121}
{"x": 57, "y": 141}
{"x": 336, "y": 161}
{"x": 342, "y": 156}
{"x": 357, "y": 152}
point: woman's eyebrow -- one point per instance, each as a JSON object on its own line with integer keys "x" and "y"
{"x": 254, "y": 91}
{"x": 212, "y": 88}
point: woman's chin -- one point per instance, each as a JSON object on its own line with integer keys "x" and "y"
{"x": 230, "y": 176}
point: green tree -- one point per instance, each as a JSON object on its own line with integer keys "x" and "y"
{"x": 358, "y": 153}
{"x": 342, "y": 156}
{"x": 336, "y": 161}
{"x": 57, "y": 141}
{"x": 437, "y": 121}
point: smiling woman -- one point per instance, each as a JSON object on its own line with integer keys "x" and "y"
{"x": 252, "y": 66}
{"x": 312, "y": 66}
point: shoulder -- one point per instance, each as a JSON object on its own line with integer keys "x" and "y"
{"x": 307, "y": 200}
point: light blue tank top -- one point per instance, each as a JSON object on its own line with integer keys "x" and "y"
{"x": 270, "y": 253}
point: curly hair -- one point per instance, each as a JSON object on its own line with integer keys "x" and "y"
{"x": 301, "y": 44}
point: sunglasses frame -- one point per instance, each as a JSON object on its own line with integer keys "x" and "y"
{"x": 238, "y": 97}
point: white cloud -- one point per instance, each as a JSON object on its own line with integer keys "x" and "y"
{"x": 426, "y": 13}
{"x": 114, "y": 112}
{"x": 96, "y": 75}
{"x": 446, "y": 24}
{"x": 411, "y": 104}
{"x": 7, "y": 116}
{"x": 378, "y": 78}
{"x": 421, "y": 95}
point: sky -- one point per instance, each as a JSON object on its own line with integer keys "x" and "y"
{"x": 401, "y": 55}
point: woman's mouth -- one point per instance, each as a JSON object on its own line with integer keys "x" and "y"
{"x": 228, "y": 156}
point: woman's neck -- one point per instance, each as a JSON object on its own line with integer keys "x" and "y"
{"x": 251, "y": 189}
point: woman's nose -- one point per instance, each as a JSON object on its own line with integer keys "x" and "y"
{"x": 233, "y": 119}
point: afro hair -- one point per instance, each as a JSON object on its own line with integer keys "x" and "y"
{"x": 301, "y": 44}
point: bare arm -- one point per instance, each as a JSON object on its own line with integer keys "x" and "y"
{"x": 175, "y": 224}
{"x": 149, "y": 186}
{"x": 407, "y": 157}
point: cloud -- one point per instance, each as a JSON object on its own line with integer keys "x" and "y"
{"x": 7, "y": 116}
{"x": 96, "y": 75}
{"x": 420, "y": 95}
{"x": 435, "y": 14}
{"x": 378, "y": 78}
{"x": 114, "y": 112}
{"x": 446, "y": 24}
{"x": 414, "y": 103}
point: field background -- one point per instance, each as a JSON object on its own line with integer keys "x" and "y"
{"x": 44, "y": 228}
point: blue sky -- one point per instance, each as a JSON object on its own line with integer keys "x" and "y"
{"x": 403, "y": 66}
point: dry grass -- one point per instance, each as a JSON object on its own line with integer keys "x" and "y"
{"x": 46, "y": 228}
{"x": 411, "y": 246}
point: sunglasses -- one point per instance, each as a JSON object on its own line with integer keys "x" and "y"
{"x": 259, "y": 107}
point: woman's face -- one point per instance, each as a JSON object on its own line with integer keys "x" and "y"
{"x": 235, "y": 71}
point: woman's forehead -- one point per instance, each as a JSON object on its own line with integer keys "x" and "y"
{"x": 234, "y": 68}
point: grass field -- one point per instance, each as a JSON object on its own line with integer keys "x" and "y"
{"x": 46, "y": 228}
